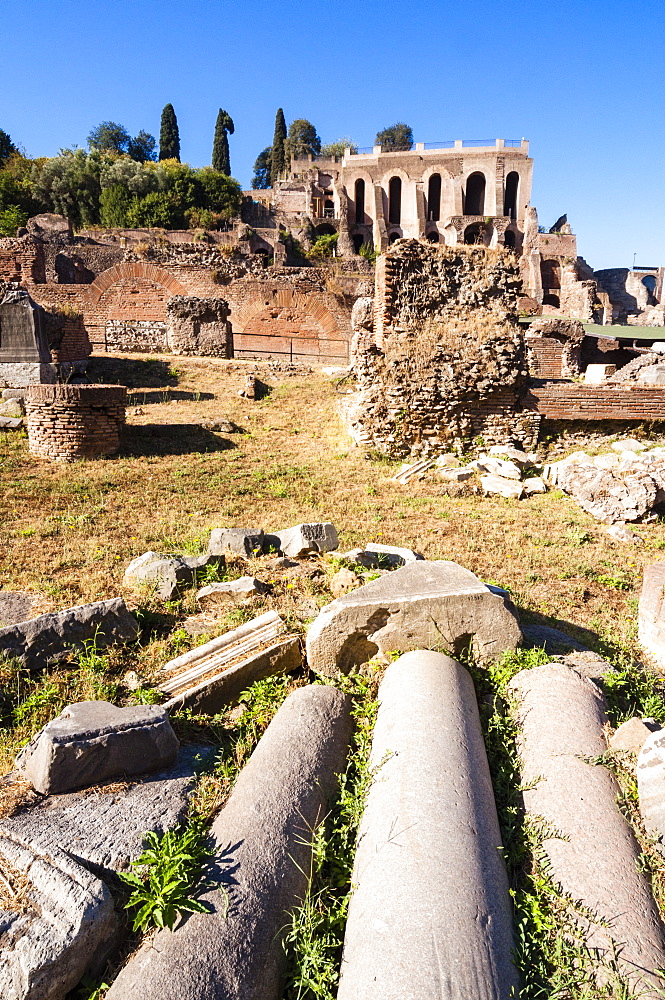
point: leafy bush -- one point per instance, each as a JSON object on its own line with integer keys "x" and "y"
{"x": 323, "y": 247}
{"x": 368, "y": 252}
{"x": 11, "y": 218}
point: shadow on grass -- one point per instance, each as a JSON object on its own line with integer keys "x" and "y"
{"x": 170, "y": 439}
{"x": 132, "y": 372}
{"x": 165, "y": 396}
{"x": 558, "y": 636}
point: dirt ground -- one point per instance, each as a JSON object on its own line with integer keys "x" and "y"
{"x": 67, "y": 532}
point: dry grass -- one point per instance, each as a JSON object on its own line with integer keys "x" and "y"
{"x": 14, "y": 888}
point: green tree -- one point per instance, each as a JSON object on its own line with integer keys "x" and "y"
{"x": 7, "y": 147}
{"x": 220, "y": 149}
{"x": 278, "y": 150}
{"x": 261, "y": 178}
{"x": 109, "y": 137}
{"x": 302, "y": 140}
{"x": 142, "y": 147}
{"x": 114, "y": 204}
{"x": 16, "y": 186}
{"x": 169, "y": 135}
{"x": 337, "y": 148}
{"x": 221, "y": 194}
{"x": 12, "y": 218}
{"x": 69, "y": 184}
{"x": 157, "y": 209}
{"x": 395, "y": 138}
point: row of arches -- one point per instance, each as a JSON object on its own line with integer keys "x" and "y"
{"x": 473, "y": 197}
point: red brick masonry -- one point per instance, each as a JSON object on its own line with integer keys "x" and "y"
{"x": 68, "y": 422}
{"x": 576, "y": 401}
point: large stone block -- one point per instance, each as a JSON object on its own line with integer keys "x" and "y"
{"x": 262, "y": 843}
{"x": 651, "y": 612}
{"x": 430, "y": 914}
{"x": 304, "y": 539}
{"x": 437, "y": 605}
{"x": 245, "y": 542}
{"x": 169, "y": 575}
{"x": 93, "y": 741}
{"x": 651, "y": 785}
{"x": 51, "y": 637}
{"x": 590, "y": 849}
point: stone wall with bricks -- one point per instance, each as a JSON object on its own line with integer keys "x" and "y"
{"x": 577, "y": 401}
{"x": 69, "y": 422}
{"x": 446, "y": 360}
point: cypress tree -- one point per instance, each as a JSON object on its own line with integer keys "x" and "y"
{"x": 169, "y": 136}
{"x": 220, "y": 148}
{"x": 278, "y": 153}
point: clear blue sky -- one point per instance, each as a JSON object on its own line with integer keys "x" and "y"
{"x": 582, "y": 79}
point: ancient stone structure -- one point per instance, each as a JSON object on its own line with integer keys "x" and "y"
{"x": 635, "y": 296}
{"x": 198, "y": 326}
{"x": 67, "y": 422}
{"x": 446, "y": 362}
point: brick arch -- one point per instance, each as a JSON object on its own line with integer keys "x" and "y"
{"x": 287, "y": 323}
{"x": 307, "y": 304}
{"x": 122, "y": 272}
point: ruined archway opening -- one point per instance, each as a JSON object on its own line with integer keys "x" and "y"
{"x": 394, "y": 237}
{"x": 510, "y": 198}
{"x": 550, "y": 274}
{"x": 509, "y": 239}
{"x": 474, "y": 198}
{"x": 395, "y": 201}
{"x": 434, "y": 198}
{"x": 650, "y": 284}
{"x": 475, "y": 233}
{"x": 358, "y": 240}
{"x": 360, "y": 201}
{"x": 433, "y": 237}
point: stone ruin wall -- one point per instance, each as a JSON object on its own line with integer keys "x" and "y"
{"x": 122, "y": 294}
{"x": 443, "y": 359}
{"x": 68, "y": 422}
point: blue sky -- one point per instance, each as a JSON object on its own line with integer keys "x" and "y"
{"x": 583, "y": 81}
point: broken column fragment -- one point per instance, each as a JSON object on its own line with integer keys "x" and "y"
{"x": 93, "y": 741}
{"x": 590, "y": 849}
{"x": 437, "y": 605}
{"x": 430, "y": 913}
{"x": 210, "y": 676}
{"x": 262, "y": 845}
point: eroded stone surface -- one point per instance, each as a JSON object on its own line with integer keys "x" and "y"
{"x": 424, "y": 604}
{"x": 651, "y": 786}
{"x": 51, "y": 637}
{"x": 304, "y": 539}
{"x": 247, "y": 542}
{"x": 633, "y": 734}
{"x": 651, "y": 612}
{"x": 93, "y": 741}
{"x": 430, "y": 915}
{"x": 167, "y": 574}
{"x": 262, "y": 841}
{"x": 591, "y": 849}
{"x": 243, "y": 587}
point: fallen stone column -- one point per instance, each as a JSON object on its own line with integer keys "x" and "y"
{"x": 591, "y": 849}
{"x": 262, "y": 845}
{"x": 431, "y": 912}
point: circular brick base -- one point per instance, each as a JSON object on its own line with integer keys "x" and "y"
{"x": 68, "y": 422}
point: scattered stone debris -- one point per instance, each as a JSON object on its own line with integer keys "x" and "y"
{"x": 93, "y": 741}
{"x": 509, "y": 488}
{"x": 211, "y": 676}
{"x": 651, "y": 612}
{"x": 633, "y": 734}
{"x": 222, "y": 426}
{"x": 245, "y": 542}
{"x": 240, "y": 589}
{"x": 651, "y": 786}
{"x": 421, "y": 605}
{"x": 304, "y": 539}
{"x": 344, "y": 581}
{"x": 168, "y": 574}
{"x": 52, "y": 637}
{"x": 413, "y": 471}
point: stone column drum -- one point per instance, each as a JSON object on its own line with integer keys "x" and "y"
{"x": 68, "y": 422}
{"x": 430, "y": 915}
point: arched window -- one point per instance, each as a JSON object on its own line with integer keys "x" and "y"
{"x": 509, "y": 239}
{"x": 329, "y": 209}
{"x": 474, "y": 233}
{"x": 433, "y": 237}
{"x": 650, "y": 283}
{"x": 395, "y": 201}
{"x": 510, "y": 198}
{"x": 550, "y": 274}
{"x": 474, "y": 199}
{"x": 358, "y": 240}
{"x": 393, "y": 237}
{"x": 325, "y": 230}
{"x": 434, "y": 198}
{"x": 360, "y": 201}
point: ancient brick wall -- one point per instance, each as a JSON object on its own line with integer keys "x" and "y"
{"x": 577, "y": 401}
{"x": 446, "y": 360}
{"x": 68, "y": 422}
